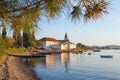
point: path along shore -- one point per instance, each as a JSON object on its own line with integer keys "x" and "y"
{"x": 13, "y": 68}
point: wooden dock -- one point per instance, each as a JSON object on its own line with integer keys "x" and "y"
{"x": 27, "y": 55}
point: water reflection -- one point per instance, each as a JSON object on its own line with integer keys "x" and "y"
{"x": 50, "y": 61}
{"x": 33, "y": 61}
{"x": 77, "y": 66}
{"x": 65, "y": 58}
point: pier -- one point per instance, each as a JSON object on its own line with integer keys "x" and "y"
{"x": 27, "y": 55}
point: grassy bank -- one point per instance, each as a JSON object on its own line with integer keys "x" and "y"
{"x": 4, "y": 52}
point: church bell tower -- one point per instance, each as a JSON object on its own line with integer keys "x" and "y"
{"x": 66, "y": 37}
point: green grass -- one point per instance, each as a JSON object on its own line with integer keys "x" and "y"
{"x": 16, "y": 50}
{"x": 4, "y": 52}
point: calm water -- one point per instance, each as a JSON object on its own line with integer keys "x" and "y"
{"x": 71, "y": 66}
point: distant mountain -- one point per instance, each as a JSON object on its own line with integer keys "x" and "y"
{"x": 114, "y": 46}
{"x": 106, "y": 47}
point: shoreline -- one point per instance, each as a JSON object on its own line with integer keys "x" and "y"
{"x": 13, "y": 68}
{"x": 57, "y": 51}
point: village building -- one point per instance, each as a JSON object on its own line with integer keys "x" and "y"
{"x": 52, "y": 43}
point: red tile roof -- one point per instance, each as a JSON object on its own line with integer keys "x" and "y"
{"x": 61, "y": 40}
{"x": 49, "y": 39}
{"x": 54, "y": 40}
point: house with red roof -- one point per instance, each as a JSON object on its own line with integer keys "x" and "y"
{"x": 52, "y": 43}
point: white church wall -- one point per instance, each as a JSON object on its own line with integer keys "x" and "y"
{"x": 72, "y": 46}
{"x": 57, "y": 47}
{"x": 64, "y": 46}
{"x": 48, "y": 44}
{"x": 44, "y": 44}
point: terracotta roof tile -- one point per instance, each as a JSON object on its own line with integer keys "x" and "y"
{"x": 49, "y": 39}
{"x": 54, "y": 40}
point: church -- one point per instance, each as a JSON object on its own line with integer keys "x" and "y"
{"x": 54, "y": 44}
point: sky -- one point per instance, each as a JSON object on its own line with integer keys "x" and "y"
{"x": 104, "y": 31}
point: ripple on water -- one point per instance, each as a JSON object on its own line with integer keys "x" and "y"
{"x": 68, "y": 66}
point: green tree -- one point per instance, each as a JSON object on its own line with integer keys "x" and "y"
{"x": 81, "y": 46}
{"x": 4, "y": 33}
{"x": 87, "y": 9}
{"x": 39, "y": 43}
{"x": 9, "y": 42}
{"x": 33, "y": 36}
{"x": 17, "y": 37}
{"x": 25, "y": 14}
{"x": 2, "y": 43}
{"x": 33, "y": 43}
{"x": 78, "y": 45}
{"x": 26, "y": 40}
{"x": 19, "y": 40}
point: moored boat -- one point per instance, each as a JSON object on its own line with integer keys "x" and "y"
{"x": 89, "y": 53}
{"x": 96, "y": 50}
{"x": 106, "y": 56}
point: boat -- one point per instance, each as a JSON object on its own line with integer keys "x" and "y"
{"x": 81, "y": 52}
{"x": 96, "y": 50}
{"x": 89, "y": 53}
{"x": 106, "y": 56}
{"x": 27, "y": 55}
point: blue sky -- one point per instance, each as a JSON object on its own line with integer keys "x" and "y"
{"x": 104, "y": 31}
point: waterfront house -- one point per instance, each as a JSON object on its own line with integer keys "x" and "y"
{"x": 52, "y": 43}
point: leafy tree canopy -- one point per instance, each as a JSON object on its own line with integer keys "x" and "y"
{"x": 23, "y": 15}
{"x": 24, "y": 11}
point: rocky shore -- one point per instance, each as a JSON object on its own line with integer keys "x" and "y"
{"x": 13, "y": 68}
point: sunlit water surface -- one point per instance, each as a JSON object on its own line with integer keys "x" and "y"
{"x": 72, "y": 66}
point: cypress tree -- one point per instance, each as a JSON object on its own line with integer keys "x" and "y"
{"x": 26, "y": 40}
{"x": 4, "y": 33}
